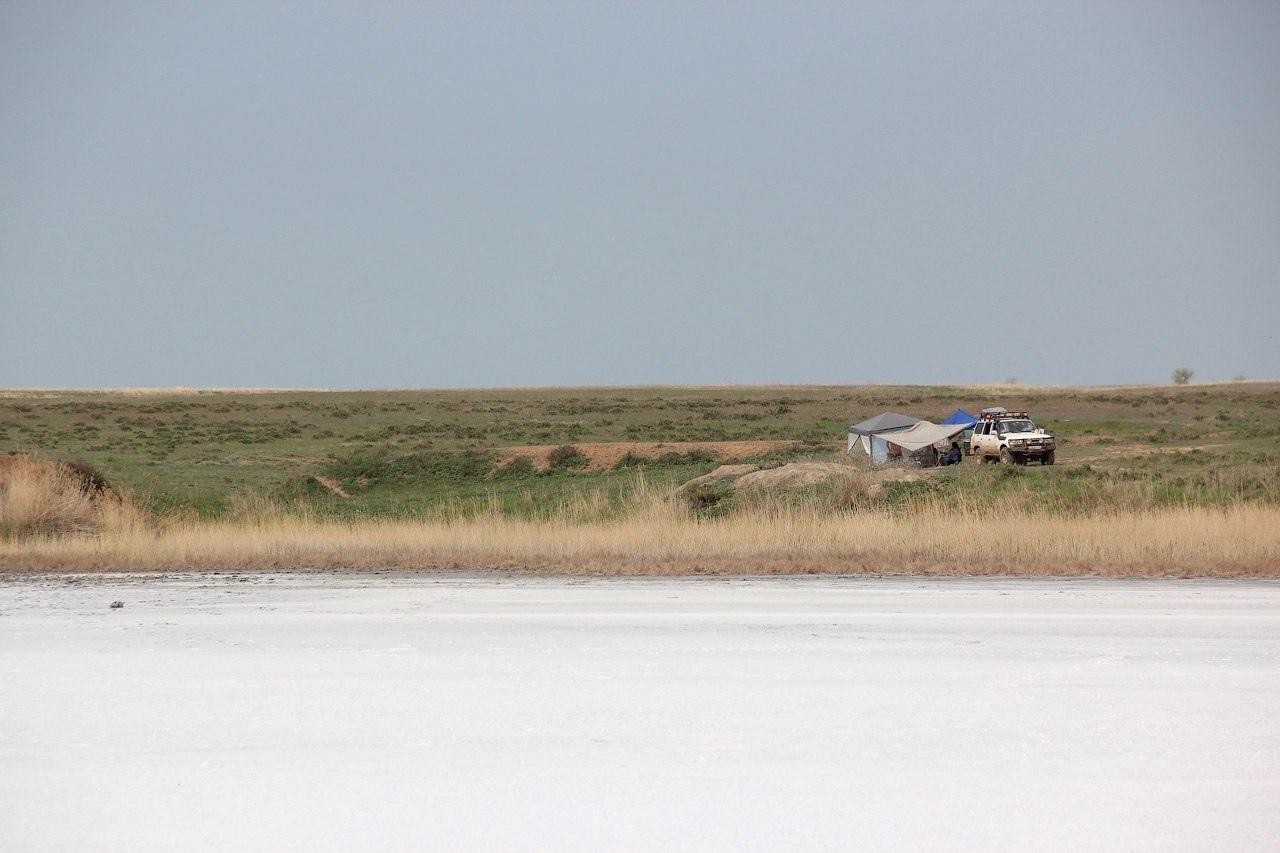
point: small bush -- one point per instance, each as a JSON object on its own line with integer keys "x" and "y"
{"x": 379, "y": 465}
{"x": 1182, "y": 375}
{"x": 631, "y": 459}
{"x": 692, "y": 457}
{"x": 518, "y": 468}
{"x": 302, "y": 487}
{"x": 363, "y": 467}
{"x": 464, "y": 465}
{"x": 905, "y": 493}
{"x": 1009, "y": 472}
{"x": 704, "y": 496}
{"x": 566, "y": 456}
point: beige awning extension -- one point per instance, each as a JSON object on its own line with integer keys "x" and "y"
{"x": 921, "y": 435}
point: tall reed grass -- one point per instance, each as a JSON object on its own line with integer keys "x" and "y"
{"x": 39, "y": 497}
{"x": 652, "y": 534}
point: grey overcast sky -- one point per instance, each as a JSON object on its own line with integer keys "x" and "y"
{"x": 438, "y": 194}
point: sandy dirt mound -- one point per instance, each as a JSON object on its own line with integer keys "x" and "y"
{"x": 793, "y": 475}
{"x": 722, "y": 474}
{"x": 605, "y": 455}
{"x": 796, "y": 475}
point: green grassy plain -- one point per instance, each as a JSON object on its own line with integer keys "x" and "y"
{"x": 209, "y": 454}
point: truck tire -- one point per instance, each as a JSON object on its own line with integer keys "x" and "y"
{"x": 1047, "y": 459}
{"x": 1006, "y": 458}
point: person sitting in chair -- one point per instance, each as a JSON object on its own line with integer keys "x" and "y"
{"x": 953, "y": 455}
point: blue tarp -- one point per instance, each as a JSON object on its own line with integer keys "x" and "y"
{"x": 960, "y": 416}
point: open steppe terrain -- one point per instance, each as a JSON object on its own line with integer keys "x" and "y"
{"x": 1153, "y": 479}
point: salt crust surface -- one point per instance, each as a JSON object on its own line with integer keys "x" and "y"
{"x": 371, "y": 711}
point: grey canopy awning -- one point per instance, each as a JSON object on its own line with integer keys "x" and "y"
{"x": 882, "y": 423}
{"x": 921, "y": 435}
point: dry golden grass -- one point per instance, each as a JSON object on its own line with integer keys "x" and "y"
{"x": 37, "y": 496}
{"x": 656, "y": 536}
{"x": 49, "y": 522}
{"x": 43, "y": 498}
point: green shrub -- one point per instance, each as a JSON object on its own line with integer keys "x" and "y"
{"x": 566, "y": 456}
{"x": 458, "y": 465}
{"x": 630, "y": 459}
{"x": 704, "y": 496}
{"x": 905, "y": 493}
{"x": 1009, "y": 472}
{"x": 302, "y": 487}
{"x": 364, "y": 466}
{"x": 520, "y": 467}
{"x": 379, "y": 465}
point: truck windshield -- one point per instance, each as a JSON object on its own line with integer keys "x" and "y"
{"x": 1017, "y": 426}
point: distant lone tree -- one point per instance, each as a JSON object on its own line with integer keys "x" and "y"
{"x": 1182, "y": 375}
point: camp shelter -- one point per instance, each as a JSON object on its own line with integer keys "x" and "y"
{"x": 960, "y": 416}
{"x": 877, "y": 449}
{"x": 922, "y": 436}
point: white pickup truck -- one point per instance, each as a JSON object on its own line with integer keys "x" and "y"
{"x": 1011, "y": 437}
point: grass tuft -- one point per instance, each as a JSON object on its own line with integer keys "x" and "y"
{"x": 43, "y": 498}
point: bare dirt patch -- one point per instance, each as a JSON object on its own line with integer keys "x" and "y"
{"x": 333, "y": 486}
{"x": 604, "y": 456}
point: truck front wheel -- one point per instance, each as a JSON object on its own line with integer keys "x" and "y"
{"x": 1006, "y": 458}
{"x": 1047, "y": 459}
